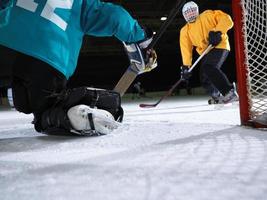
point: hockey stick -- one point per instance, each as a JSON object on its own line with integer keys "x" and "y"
{"x": 129, "y": 75}
{"x": 169, "y": 92}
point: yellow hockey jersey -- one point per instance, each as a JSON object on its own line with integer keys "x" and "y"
{"x": 196, "y": 34}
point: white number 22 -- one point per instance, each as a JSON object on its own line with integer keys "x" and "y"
{"x": 49, "y": 10}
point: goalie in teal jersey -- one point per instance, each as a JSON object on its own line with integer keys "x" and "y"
{"x": 46, "y": 36}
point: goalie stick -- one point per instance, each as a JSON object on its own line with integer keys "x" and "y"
{"x": 130, "y": 74}
{"x": 169, "y": 92}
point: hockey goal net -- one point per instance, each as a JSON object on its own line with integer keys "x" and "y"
{"x": 250, "y": 18}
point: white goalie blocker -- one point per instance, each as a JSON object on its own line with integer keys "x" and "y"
{"x": 141, "y": 60}
{"x": 85, "y": 119}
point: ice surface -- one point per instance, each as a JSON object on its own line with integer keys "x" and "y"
{"x": 182, "y": 149}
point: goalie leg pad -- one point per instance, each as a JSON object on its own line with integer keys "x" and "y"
{"x": 54, "y": 118}
{"x": 92, "y": 121}
{"x": 83, "y": 111}
{"x": 79, "y": 120}
{"x": 102, "y": 99}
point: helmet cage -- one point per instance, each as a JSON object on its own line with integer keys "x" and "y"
{"x": 190, "y": 12}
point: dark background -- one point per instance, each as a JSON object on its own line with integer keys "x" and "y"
{"x": 102, "y": 61}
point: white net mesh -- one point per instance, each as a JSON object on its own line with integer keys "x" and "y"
{"x": 255, "y": 31}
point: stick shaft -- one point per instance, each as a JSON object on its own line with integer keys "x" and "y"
{"x": 169, "y": 20}
{"x": 125, "y": 81}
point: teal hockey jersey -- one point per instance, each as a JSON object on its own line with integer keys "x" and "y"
{"x": 53, "y": 30}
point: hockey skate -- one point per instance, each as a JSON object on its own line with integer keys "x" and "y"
{"x": 231, "y": 96}
{"x": 91, "y": 121}
{"x": 215, "y": 100}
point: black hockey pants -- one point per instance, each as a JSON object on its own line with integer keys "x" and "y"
{"x": 211, "y": 76}
{"x": 32, "y": 81}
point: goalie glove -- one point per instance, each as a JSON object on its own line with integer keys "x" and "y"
{"x": 142, "y": 59}
{"x": 152, "y": 60}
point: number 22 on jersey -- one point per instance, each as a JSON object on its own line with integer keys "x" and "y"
{"x": 48, "y": 11}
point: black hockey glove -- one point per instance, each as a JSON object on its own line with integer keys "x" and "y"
{"x": 215, "y": 37}
{"x": 141, "y": 58}
{"x": 185, "y": 73}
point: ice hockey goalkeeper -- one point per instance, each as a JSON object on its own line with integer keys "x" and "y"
{"x": 201, "y": 30}
{"x": 45, "y": 38}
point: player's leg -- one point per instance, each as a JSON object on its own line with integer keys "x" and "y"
{"x": 211, "y": 66}
{"x": 211, "y": 90}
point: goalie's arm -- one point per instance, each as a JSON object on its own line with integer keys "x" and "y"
{"x": 110, "y": 20}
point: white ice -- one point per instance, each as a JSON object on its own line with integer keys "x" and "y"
{"x": 183, "y": 149}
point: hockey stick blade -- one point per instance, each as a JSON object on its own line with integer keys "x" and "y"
{"x": 144, "y": 105}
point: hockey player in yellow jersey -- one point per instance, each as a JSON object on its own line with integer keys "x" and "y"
{"x": 201, "y": 30}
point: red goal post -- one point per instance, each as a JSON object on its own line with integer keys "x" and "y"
{"x": 250, "y": 27}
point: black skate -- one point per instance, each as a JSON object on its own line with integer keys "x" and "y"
{"x": 215, "y": 100}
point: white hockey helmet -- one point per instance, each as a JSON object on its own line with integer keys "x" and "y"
{"x": 190, "y": 11}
